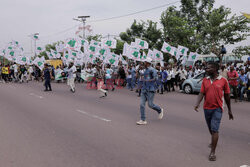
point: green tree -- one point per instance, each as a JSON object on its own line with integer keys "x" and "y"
{"x": 203, "y": 28}
{"x": 241, "y": 51}
{"x": 147, "y": 31}
{"x": 47, "y": 48}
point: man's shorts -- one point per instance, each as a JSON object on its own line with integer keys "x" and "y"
{"x": 213, "y": 119}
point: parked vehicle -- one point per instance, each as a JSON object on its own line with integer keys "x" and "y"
{"x": 193, "y": 85}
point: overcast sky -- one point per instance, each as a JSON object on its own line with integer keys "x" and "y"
{"x": 19, "y": 18}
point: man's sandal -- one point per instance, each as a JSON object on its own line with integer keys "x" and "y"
{"x": 212, "y": 157}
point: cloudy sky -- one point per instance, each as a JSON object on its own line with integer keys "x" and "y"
{"x": 51, "y": 18}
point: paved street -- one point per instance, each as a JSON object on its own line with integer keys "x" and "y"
{"x": 62, "y": 129}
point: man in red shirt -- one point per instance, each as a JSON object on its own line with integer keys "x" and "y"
{"x": 213, "y": 87}
{"x": 232, "y": 79}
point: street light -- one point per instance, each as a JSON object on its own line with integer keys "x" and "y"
{"x": 83, "y": 20}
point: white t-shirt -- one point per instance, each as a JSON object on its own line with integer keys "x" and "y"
{"x": 15, "y": 68}
{"x": 71, "y": 72}
{"x": 30, "y": 69}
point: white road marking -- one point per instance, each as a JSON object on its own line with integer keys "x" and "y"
{"x": 244, "y": 166}
{"x": 12, "y": 87}
{"x": 93, "y": 116}
{"x": 40, "y": 97}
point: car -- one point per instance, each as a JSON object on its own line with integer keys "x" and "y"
{"x": 193, "y": 85}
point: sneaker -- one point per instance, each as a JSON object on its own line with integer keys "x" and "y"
{"x": 141, "y": 122}
{"x": 161, "y": 114}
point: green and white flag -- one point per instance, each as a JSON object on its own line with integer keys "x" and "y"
{"x": 93, "y": 49}
{"x": 112, "y": 59}
{"x": 72, "y": 44}
{"x": 55, "y": 54}
{"x": 109, "y": 43}
{"x": 35, "y": 37}
{"x": 60, "y": 47}
{"x": 166, "y": 48}
{"x": 135, "y": 54}
{"x": 158, "y": 56}
{"x": 104, "y": 51}
{"x": 39, "y": 62}
{"x": 95, "y": 43}
{"x": 50, "y": 55}
{"x": 150, "y": 54}
{"x": 22, "y": 60}
{"x": 174, "y": 52}
{"x": 193, "y": 56}
{"x": 141, "y": 43}
{"x": 125, "y": 51}
{"x": 182, "y": 51}
{"x": 39, "y": 49}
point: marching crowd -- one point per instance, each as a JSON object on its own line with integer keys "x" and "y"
{"x": 108, "y": 77}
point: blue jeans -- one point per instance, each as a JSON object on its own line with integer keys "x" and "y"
{"x": 213, "y": 118}
{"x": 129, "y": 82}
{"x": 147, "y": 96}
{"x": 242, "y": 89}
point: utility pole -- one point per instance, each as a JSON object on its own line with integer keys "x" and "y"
{"x": 83, "y": 20}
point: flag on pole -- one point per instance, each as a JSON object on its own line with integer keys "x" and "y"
{"x": 50, "y": 55}
{"x": 141, "y": 43}
{"x": 193, "y": 56}
{"x": 135, "y": 54}
{"x": 125, "y": 49}
{"x": 150, "y": 54}
{"x": 39, "y": 62}
{"x": 182, "y": 50}
{"x": 72, "y": 44}
{"x": 166, "y": 48}
{"x": 109, "y": 43}
{"x": 158, "y": 56}
{"x": 35, "y": 37}
{"x": 39, "y": 49}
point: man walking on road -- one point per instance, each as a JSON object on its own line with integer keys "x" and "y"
{"x": 71, "y": 77}
{"x": 212, "y": 88}
{"x": 47, "y": 77}
{"x": 232, "y": 79}
{"x": 148, "y": 92}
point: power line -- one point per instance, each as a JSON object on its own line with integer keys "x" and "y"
{"x": 111, "y": 18}
{"x": 60, "y": 32}
{"x": 146, "y": 10}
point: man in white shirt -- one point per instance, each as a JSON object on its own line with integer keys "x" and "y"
{"x": 15, "y": 71}
{"x": 30, "y": 70}
{"x": 71, "y": 77}
{"x": 183, "y": 75}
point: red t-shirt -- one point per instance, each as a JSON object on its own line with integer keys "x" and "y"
{"x": 213, "y": 92}
{"x": 232, "y": 74}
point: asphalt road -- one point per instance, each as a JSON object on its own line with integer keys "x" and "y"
{"x": 62, "y": 129}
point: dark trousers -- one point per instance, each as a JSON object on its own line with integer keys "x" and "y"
{"x": 172, "y": 83}
{"x": 235, "y": 91}
{"x": 47, "y": 84}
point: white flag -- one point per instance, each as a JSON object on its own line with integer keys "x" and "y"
{"x": 39, "y": 50}
{"x": 182, "y": 51}
{"x": 141, "y": 43}
{"x": 35, "y": 37}
{"x": 166, "y": 48}
{"x": 72, "y": 44}
{"x": 158, "y": 56}
{"x": 193, "y": 56}
{"x": 109, "y": 43}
